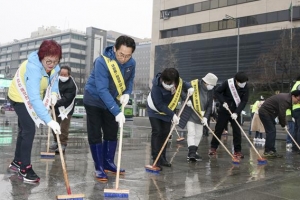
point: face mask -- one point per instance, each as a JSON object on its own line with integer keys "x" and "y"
{"x": 210, "y": 87}
{"x": 63, "y": 79}
{"x": 167, "y": 87}
{"x": 242, "y": 85}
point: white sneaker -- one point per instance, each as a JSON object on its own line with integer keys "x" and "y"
{"x": 255, "y": 140}
{"x": 289, "y": 145}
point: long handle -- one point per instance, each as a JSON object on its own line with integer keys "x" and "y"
{"x": 121, "y": 125}
{"x": 177, "y": 132}
{"x": 63, "y": 164}
{"x": 245, "y": 134}
{"x": 213, "y": 134}
{"x": 292, "y": 138}
{"x": 48, "y": 142}
{"x": 171, "y": 130}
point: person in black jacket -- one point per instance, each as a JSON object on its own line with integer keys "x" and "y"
{"x": 273, "y": 107}
{"x": 161, "y": 103}
{"x": 64, "y": 107}
{"x": 201, "y": 101}
{"x": 232, "y": 93}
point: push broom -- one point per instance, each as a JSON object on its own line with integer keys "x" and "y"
{"x": 260, "y": 160}
{"x": 292, "y": 137}
{"x": 234, "y": 159}
{"x": 48, "y": 155}
{"x": 153, "y": 168}
{"x": 69, "y": 195}
{"x": 179, "y": 139}
{"x": 117, "y": 193}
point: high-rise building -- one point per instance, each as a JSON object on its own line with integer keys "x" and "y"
{"x": 219, "y": 36}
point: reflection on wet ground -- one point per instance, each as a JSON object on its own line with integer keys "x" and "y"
{"x": 212, "y": 178}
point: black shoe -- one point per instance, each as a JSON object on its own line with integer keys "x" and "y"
{"x": 53, "y": 146}
{"x": 164, "y": 162}
{"x": 272, "y": 154}
{"x": 15, "y": 166}
{"x": 192, "y": 153}
{"x": 29, "y": 175}
{"x": 63, "y": 148}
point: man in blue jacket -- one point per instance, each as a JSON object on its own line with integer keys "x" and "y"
{"x": 108, "y": 86}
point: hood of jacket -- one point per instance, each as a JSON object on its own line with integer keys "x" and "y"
{"x": 156, "y": 80}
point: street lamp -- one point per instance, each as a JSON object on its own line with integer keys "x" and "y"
{"x": 227, "y": 17}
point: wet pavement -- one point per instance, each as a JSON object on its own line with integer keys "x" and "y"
{"x": 213, "y": 178}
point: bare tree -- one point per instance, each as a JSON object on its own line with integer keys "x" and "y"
{"x": 169, "y": 52}
{"x": 277, "y": 68}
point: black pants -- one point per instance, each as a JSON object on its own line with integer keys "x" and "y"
{"x": 26, "y": 135}
{"x": 296, "y": 115}
{"x": 160, "y": 132}
{"x": 270, "y": 129}
{"x": 99, "y": 120}
{"x": 223, "y": 119}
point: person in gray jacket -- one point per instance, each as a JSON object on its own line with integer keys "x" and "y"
{"x": 273, "y": 107}
{"x": 204, "y": 95}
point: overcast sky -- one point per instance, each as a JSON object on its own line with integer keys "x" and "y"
{"x": 18, "y": 18}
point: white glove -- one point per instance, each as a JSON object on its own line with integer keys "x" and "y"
{"x": 54, "y": 126}
{"x": 120, "y": 118}
{"x": 204, "y": 121}
{"x": 124, "y": 99}
{"x": 53, "y": 99}
{"x": 225, "y": 105}
{"x": 189, "y": 103}
{"x": 175, "y": 119}
{"x": 293, "y": 119}
{"x": 256, "y": 112}
{"x": 234, "y": 116}
{"x": 190, "y": 91}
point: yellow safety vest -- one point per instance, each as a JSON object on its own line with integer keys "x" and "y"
{"x": 295, "y": 106}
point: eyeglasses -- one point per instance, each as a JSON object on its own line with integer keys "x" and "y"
{"x": 50, "y": 62}
{"x": 119, "y": 54}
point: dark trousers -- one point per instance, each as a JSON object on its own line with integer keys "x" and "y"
{"x": 296, "y": 134}
{"x": 64, "y": 127}
{"x": 269, "y": 125}
{"x": 26, "y": 135}
{"x": 160, "y": 132}
{"x": 223, "y": 119}
{"x": 100, "y": 120}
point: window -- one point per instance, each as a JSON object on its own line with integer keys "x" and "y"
{"x": 214, "y": 4}
{"x": 283, "y": 15}
{"x": 261, "y": 19}
{"x": 213, "y": 26}
{"x": 23, "y": 53}
{"x": 241, "y": 1}
{"x": 182, "y": 10}
{"x": 197, "y": 7}
{"x": 181, "y": 31}
{"x": 272, "y": 17}
{"x": 231, "y": 2}
{"x": 205, "y": 5}
{"x": 198, "y": 28}
{"x": 31, "y": 44}
{"x": 222, "y": 3}
{"x": 24, "y": 45}
{"x": 222, "y": 24}
{"x": 65, "y": 37}
{"x": 204, "y": 27}
{"x": 189, "y": 8}
{"x": 251, "y": 20}
{"x": 231, "y": 23}
{"x": 174, "y": 12}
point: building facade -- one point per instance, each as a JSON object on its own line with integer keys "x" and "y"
{"x": 218, "y": 36}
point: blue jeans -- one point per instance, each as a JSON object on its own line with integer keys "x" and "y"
{"x": 291, "y": 127}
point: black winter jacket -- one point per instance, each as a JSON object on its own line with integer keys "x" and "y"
{"x": 67, "y": 92}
